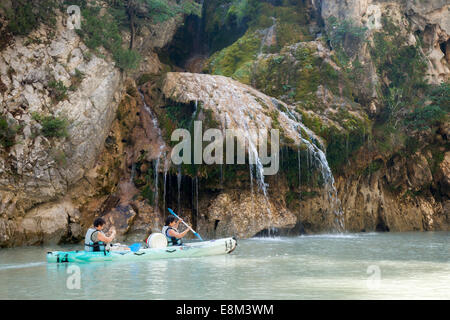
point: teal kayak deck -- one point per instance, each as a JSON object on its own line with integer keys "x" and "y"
{"x": 196, "y": 249}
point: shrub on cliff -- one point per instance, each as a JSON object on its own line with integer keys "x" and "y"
{"x": 58, "y": 91}
{"x": 7, "y": 132}
{"x": 133, "y": 14}
{"x": 52, "y": 126}
{"x": 345, "y": 37}
{"x": 103, "y": 31}
{"x": 424, "y": 117}
{"x": 26, "y": 15}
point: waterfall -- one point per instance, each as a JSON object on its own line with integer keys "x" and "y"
{"x": 133, "y": 173}
{"x": 251, "y": 176}
{"x": 198, "y": 37}
{"x": 162, "y": 146}
{"x": 321, "y": 162}
{"x": 254, "y": 159}
{"x": 196, "y": 199}
{"x": 268, "y": 33}
{"x": 155, "y": 200}
{"x": 179, "y": 187}
{"x": 164, "y": 196}
{"x": 195, "y": 111}
{"x": 318, "y": 156}
{"x": 299, "y": 175}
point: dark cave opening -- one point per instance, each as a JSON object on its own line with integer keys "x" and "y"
{"x": 443, "y": 46}
{"x": 197, "y": 39}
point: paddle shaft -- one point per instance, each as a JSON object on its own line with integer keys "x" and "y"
{"x": 171, "y": 211}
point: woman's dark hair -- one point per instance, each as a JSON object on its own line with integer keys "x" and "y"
{"x": 99, "y": 222}
{"x": 169, "y": 220}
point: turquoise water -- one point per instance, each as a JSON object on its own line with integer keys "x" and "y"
{"x": 347, "y": 266}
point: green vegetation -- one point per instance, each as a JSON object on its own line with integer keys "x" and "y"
{"x": 403, "y": 66}
{"x": 345, "y": 37}
{"x": 341, "y": 144}
{"x": 146, "y": 77}
{"x": 103, "y": 31}
{"x": 8, "y": 132}
{"x": 239, "y": 58}
{"x": 424, "y": 117}
{"x": 133, "y": 14}
{"x": 102, "y": 28}
{"x": 58, "y": 91}
{"x": 295, "y": 74}
{"x": 146, "y": 184}
{"x": 289, "y": 169}
{"x": 373, "y": 167}
{"x": 175, "y": 116}
{"x": 26, "y": 15}
{"x": 52, "y": 126}
{"x": 236, "y": 61}
{"x": 223, "y": 14}
{"x": 410, "y": 104}
{"x": 440, "y": 96}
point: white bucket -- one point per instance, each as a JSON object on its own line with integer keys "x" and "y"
{"x": 157, "y": 240}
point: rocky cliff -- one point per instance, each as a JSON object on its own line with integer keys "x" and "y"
{"x": 358, "y": 90}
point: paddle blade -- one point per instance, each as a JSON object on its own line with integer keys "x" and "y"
{"x": 171, "y": 211}
{"x": 135, "y": 247}
{"x": 198, "y": 236}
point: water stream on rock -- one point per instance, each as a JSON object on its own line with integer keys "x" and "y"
{"x": 157, "y": 161}
{"x": 320, "y": 162}
{"x": 179, "y": 177}
{"x": 133, "y": 173}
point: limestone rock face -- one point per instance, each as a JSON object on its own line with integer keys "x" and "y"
{"x": 39, "y": 169}
{"x": 370, "y": 206}
{"x": 235, "y": 105}
{"x": 48, "y": 223}
{"x": 90, "y": 109}
{"x": 419, "y": 174}
{"x": 121, "y": 217}
{"x": 428, "y": 17}
{"x": 395, "y": 197}
{"x": 245, "y": 214}
{"x": 444, "y": 175}
{"x": 396, "y": 171}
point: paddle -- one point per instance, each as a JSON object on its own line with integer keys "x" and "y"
{"x": 195, "y": 233}
{"x": 135, "y": 247}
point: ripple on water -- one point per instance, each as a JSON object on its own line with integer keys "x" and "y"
{"x": 21, "y": 266}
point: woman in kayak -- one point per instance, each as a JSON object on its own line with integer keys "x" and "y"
{"x": 95, "y": 239}
{"x": 171, "y": 232}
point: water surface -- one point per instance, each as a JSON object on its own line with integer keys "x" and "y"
{"x": 345, "y": 266}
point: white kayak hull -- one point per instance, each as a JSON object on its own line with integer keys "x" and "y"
{"x": 190, "y": 250}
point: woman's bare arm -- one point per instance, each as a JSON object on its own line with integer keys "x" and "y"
{"x": 177, "y": 235}
{"x": 104, "y": 238}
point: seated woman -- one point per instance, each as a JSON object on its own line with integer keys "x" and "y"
{"x": 95, "y": 239}
{"x": 171, "y": 232}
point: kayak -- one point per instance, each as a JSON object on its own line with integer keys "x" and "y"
{"x": 189, "y": 250}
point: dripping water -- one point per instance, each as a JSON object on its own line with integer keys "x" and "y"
{"x": 179, "y": 187}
